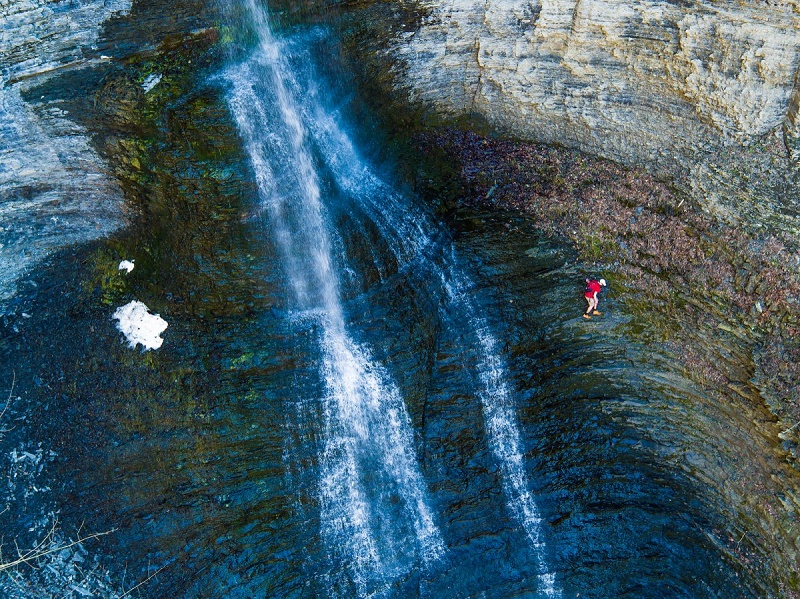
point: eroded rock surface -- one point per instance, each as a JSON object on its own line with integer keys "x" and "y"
{"x": 706, "y": 93}
{"x": 54, "y": 189}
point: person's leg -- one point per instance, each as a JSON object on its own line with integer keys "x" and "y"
{"x": 589, "y": 309}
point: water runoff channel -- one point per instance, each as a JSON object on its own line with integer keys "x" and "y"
{"x": 345, "y": 237}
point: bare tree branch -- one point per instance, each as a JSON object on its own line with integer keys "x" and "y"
{"x": 8, "y": 400}
{"x": 130, "y": 590}
{"x": 43, "y": 547}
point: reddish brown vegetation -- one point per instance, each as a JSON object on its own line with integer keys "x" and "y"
{"x": 665, "y": 253}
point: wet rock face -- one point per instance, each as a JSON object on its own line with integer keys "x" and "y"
{"x": 705, "y": 92}
{"x": 53, "y": 188}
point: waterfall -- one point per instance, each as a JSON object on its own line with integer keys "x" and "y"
{"x": 408, "y": 231}
{"x": 368, "y": 460}
{"x": 365, "y": 417}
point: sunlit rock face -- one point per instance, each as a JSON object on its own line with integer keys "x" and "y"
{"x": 54, "y": 190}
{"x": 707, "y": 91}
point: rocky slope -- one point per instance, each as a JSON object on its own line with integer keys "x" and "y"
{"x": 723, "y": 308}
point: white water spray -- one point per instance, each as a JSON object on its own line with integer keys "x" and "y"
{"x": 365, "y": 418}
{"x": 281, "y": 118}
{"x": 410, "y": 240}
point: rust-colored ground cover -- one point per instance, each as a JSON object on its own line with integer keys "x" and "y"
{"x": 678, "y": 268}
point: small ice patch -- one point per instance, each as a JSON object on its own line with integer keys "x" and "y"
{"x": 126, "y": 265}
{"x": 151, "y": 81}
{"x": 139, "y": 326}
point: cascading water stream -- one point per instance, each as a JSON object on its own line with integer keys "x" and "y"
{"x": 409, "y": 237}
{"x": 365, "y": 417}
{"x": 290, "y": 135}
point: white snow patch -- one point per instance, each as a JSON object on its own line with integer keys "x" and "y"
{"x": 139, "y": 326}
{"x": 151, "y": 81}
{"x": 126, "y": 265}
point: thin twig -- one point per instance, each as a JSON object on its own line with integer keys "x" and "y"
{"x": 10, "y": 393}
{"x": 740, "y": 540}
{"x": 38, "y": 551}
{"x": 129, "y": 591}
{"x": 783, "y": 433}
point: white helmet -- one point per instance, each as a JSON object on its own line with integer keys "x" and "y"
{"x": 602, "y": 282}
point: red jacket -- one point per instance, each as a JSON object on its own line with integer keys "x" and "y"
{"x": 592, "y": 287}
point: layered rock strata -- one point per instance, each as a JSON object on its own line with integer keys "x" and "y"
{"x": 704, "y": 92}
{"x": 54, "y": 189}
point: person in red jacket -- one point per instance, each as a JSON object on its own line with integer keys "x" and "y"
{"x": 593, "y": 287}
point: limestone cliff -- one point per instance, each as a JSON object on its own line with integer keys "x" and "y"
{"x": 705, "y": 92}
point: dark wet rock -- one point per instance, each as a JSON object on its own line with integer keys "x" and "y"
{"x": 718, "y": 303}
{"x": 721, "y": 301}
{"x": 97, "y": 107}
